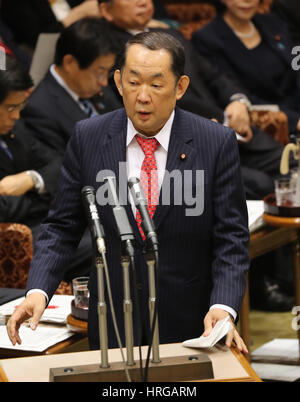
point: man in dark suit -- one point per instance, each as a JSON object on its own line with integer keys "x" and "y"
{"x": 29, "y": 171}
{"x": 203, "y": 252}
{"x": 211, "y": 94}
{"x": 85, "y": 53}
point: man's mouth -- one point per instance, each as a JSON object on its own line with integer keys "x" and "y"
{"x": 143, "y": 114}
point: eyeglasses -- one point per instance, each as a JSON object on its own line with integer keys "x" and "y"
{"x": 106, "y": 74}
{"x": 13, "y": 108}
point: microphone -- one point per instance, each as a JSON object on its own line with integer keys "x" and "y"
{"x": 124, "y": 228}
{"x": 96, "y": 229}
{"x": 141, "y": 204}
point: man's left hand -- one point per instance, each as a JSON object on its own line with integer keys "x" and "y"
{"x": 16, "y": 185}
{"x": 210, "y": 320}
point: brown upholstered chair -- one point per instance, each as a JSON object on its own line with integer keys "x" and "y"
{"x": 15, "y": 256}
{"x": 274, "y": 123}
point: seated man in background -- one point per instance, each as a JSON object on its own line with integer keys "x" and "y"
{"x": 211, "y": 94}
{"x": 28, "y": 171}
{"x": 85, "y": 54}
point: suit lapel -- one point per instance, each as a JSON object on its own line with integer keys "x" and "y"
{"x": 64, "y": 101}
{"x": 180, "y": 158}
{"x": 275, "y": 40}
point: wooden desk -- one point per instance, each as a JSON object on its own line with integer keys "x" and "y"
{"x": 228, "y": 365}
{"x": 263, "y": 241}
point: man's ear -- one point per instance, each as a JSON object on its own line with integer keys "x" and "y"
{"x": 69, "y": 63}
{"x": 118, "y": 81}
{"x": 182, "y": 86}
{"x": 105, "y": 11}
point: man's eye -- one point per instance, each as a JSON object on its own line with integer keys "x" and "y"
{"x": 156, "y": 86}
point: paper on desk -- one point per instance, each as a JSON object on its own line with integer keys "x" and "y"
{"x": 221, "y": 328}
{"x": 37, "y": 341}
{"x": 279, "y": 349}
{"x": 57, "y": 311}
{"x": 255, "y": 212}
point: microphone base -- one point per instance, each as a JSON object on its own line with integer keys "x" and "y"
{"x": 170, "y": 369}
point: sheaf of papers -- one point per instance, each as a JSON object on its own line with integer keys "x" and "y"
{"x": 37, "y": 341}
{"x": 255, "y": 212}
{"x": 57, "y": 311}
{"x": 279, "y": 349}
{"x": 221, "y": 328}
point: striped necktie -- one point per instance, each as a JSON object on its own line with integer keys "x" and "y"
{"x": 87, "y": 107}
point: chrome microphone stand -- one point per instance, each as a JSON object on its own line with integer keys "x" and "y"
{"x": 102, "y": 313}
{"x": 151, "y": 261}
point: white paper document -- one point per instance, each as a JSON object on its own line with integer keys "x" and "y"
{"x": 277, "y": 372}
{"x": 37, "y": 341}
{"x": 279, "y": 349}
{"x": 221, "y": 329}
{"x": 57, "y": 311}
{"x": 255, "y": 213}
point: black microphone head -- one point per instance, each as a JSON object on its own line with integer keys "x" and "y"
{"x": 88, "y": 194}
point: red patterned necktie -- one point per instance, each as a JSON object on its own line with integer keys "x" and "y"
{"x": 148, "y": 178}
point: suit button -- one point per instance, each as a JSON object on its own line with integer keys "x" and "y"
{"x": 139, "y": 286}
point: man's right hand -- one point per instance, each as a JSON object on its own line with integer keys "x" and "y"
{"x": 32, "y": 307}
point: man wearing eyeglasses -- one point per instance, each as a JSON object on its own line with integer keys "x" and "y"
{"x": 72, "y": 88}
{"x": 28, "y": 172}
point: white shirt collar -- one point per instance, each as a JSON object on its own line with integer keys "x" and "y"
{"x": 62, "y": 83}
{"x": 163, "y": 136}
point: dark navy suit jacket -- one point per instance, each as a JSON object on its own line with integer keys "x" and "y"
{"x": 203, "y": 259}
{"x": 51, "y": 112}
{"x": 220, "y": 45}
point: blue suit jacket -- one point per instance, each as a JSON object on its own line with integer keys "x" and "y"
{"x": 217, "y": 42}
{"x": 203, "y": 259}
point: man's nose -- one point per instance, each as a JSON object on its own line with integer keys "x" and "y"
{"x": 15, "y": 115}
{"x": 103, "y": 81}
{"x": 143, "y": 94}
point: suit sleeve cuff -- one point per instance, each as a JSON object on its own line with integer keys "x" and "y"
{"x": 38, "y": 291}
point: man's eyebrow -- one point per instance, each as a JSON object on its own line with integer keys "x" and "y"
{"x": 156, "y": 75}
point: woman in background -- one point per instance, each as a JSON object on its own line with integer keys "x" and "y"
{"x": 256, "y": 50}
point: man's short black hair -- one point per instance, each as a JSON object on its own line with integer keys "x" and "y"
{"x": 86, "y": 40}
{"x": 159, "y": 40}
{"x": 15, "y": 77}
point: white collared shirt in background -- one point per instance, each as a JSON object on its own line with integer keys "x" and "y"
{"x": 63, "y": 84}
